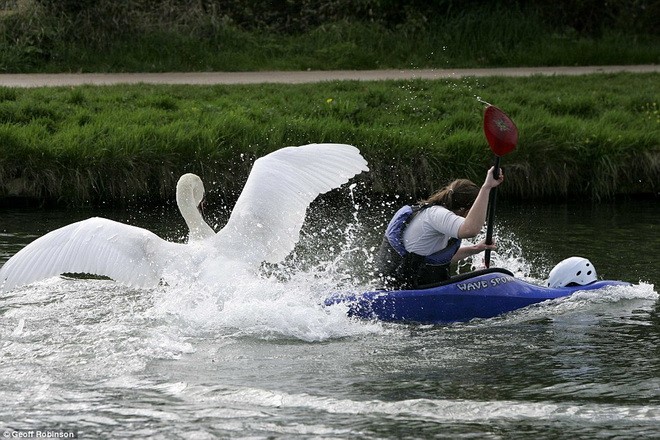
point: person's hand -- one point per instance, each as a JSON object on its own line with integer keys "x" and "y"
{"x": 490, "y": 182}
{"x": 482, "y": 246}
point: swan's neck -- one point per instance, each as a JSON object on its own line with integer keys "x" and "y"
{"x": 193, "y": 219}
{"x": 191, "y": 214}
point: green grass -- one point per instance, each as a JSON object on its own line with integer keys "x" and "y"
{"x": 492, "y": 37}
{"x": 589, "y": 137}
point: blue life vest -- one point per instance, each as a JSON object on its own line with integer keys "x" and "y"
{"x": 397, "y": 226}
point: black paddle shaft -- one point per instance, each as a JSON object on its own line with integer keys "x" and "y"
{"x": 492, "y": 201}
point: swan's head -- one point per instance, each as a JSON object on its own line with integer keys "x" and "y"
{"x": 189, "y": 190}
{"x": 189, "y": 197}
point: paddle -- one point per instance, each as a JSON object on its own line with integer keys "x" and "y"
{"x": 502, "y": 136}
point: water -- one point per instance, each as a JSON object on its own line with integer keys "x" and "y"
{"x": 265, "y": 360}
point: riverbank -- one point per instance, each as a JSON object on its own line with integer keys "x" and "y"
{"x": 593, "y": 136}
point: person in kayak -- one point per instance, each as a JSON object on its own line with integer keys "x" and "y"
{"x": 421, "y": 241}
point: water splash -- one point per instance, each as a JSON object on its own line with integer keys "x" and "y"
{"x": 482, "y": 101}
{"x": 284, "y": 300}
{"x": 509, "y": 255}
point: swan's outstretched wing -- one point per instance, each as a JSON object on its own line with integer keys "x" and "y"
{"x": 266, "y": 221}
{"x": 129, "y": 255}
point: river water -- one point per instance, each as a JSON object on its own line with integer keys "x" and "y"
{"x": 265, "y": 360}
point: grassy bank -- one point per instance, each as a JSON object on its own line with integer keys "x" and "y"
{"x": 588, "y": 137}
{"x": 33, "y": 40}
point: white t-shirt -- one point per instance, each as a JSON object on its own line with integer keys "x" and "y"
{"x": 430, "y": 230}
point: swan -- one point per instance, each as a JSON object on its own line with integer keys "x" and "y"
{"x": 264, "y": 225}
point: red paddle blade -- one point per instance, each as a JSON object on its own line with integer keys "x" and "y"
{"x": 501, "y": 132}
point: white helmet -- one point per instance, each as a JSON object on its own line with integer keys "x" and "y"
{"x": 573, "y": 270}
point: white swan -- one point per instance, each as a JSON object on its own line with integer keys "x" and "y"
{"x": 264, "y": 226}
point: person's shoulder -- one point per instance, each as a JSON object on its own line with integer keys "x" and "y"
{"x": 440, "y": 213}
{"x": 437, "y": 212}
{"x": 437, "y": 209}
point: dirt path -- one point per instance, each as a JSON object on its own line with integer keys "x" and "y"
{"x": 206, "y": 78}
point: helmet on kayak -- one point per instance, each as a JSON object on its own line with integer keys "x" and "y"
{"x": 572, "y": 271}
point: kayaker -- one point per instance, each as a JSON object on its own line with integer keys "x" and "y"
{"x": 421, "y": 241}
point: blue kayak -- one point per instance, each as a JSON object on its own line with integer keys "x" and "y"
{"x": 481, "y": 294}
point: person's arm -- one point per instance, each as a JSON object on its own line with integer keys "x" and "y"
{"x": 476, "y": 218}
{"x": 472, "y": 249}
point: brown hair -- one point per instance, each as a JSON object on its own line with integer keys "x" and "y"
{"x": 459, "y": 194}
